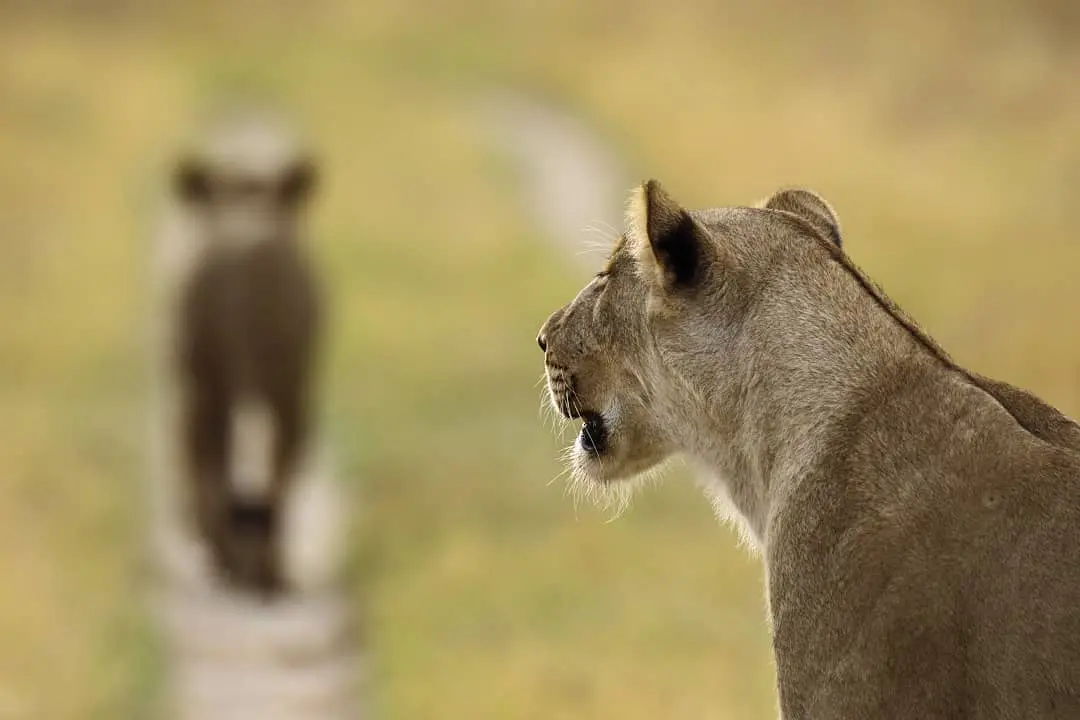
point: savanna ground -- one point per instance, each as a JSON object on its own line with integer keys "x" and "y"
{"x": 946, "y": 139}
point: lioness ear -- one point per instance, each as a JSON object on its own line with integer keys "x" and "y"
{"x": 811, "y": 207}
{"x": 191, "y": 181}
{"x": 663, "y": 237}
{"x": 298, "y": 182}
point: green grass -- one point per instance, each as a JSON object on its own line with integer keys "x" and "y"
{"x": 487, "y": 593}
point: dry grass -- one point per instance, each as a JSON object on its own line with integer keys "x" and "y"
{"x": 946, "y": 143}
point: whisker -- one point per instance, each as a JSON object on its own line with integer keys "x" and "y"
{"x": 602, "y": 226}
{"x": 613, "y": 497}
{"x": 599, "y": 240}
{"x": 558, "y": 477}
{"x": 544, "y": 411}
{"x": 599, "y": 232}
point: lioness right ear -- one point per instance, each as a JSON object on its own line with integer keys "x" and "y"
{"x": 663, "y": 237}
{"x": 810, "y": 207}
{"x": 299, "y": 182}
{"x": 191, "y": 181}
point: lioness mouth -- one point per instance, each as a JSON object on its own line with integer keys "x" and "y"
{"x": 594, "y": 433}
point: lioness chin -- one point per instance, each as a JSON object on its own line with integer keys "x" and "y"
{"x": 919, "y": 523}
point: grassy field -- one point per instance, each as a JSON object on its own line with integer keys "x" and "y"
{"x": 946, "y": 142}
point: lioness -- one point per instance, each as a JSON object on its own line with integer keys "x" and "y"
{"x": 920, "y": 524}
{"x": 247, "y": 322}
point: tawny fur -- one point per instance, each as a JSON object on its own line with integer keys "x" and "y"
{"x": 919, "y": 523}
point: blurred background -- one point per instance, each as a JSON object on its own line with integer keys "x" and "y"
{"x": 945, "y": 134}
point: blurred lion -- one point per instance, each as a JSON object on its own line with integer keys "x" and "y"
{"x": 244, "y": 328}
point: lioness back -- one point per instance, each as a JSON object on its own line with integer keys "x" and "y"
{"x": 919, "y": 523}
{"x": 940, "y": 565}
{"x": 247, "y": 324}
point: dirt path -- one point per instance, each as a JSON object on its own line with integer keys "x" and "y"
{"x": 231, "y": 657}
{"x": 234, "y": 658}
{"x": 572, "y": 183}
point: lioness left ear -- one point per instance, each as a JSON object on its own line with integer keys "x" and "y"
{"x": 191, "y": 181}
{"x": 299, "y": 182}
{"x": 810, "y": 207}
{"x": 663, "y": 237}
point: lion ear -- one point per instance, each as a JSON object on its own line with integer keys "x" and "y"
{"x": 191, "y": 181}
{"x": 664, "y": 239}
{"x": 809, "y": 206}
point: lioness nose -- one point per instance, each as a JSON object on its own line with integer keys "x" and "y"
{"x": 545, "y": 330}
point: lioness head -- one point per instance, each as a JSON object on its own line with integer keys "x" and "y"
{"x": 644, "y": 355}
{"x": 246, "y": 182}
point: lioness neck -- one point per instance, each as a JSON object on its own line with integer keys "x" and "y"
{"x": 808, "y": 360}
